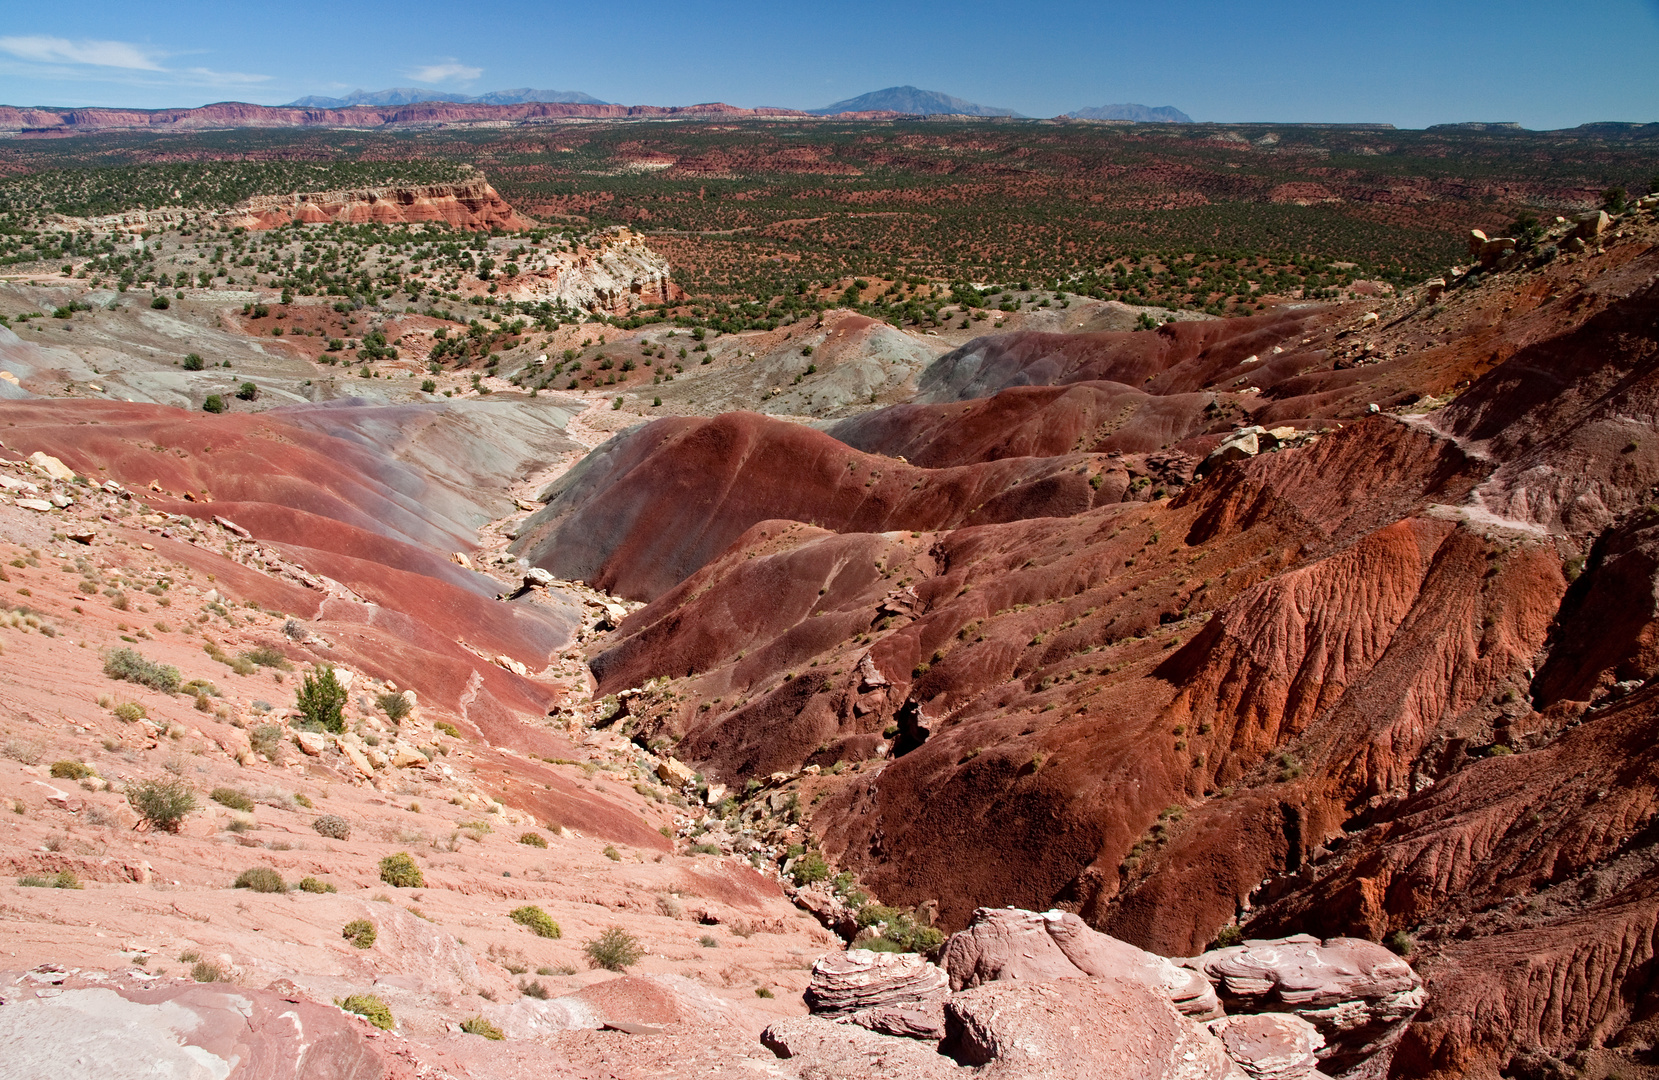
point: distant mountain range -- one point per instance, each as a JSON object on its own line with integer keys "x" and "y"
{"x": 908, "y": 99}
{"x": 1141, "y": 114}
{"x": 409, "y": 95}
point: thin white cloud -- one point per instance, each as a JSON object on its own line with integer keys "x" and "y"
{"x": 223, "y": 78}
{"x": 111, "y": 54}
{"x": 41, "y": 56}
{"x": 448, "y": 71}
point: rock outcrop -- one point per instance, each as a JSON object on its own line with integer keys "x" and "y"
{"x": 1271, "y": 1046}
{"x": 1014, "y": 945}
{"x": 1021, "y": 993}
{"x": 1087, "y": 1029}
{"x": 618, "y": 276}
{"x": 892, "y": 993}
{"x": 470, "y": 203}
{"x": 1357, "y": 994}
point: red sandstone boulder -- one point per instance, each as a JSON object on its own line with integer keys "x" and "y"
{"x": 1271, "y": 1046}
{"x": 1358, "y": 994}
{"x": 1012, "y": 944}
{"x": 893, "y": 993}
{"x": 1085, "y": 1029}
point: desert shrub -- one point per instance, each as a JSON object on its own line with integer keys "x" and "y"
{"x": 128, "y": 665}
{"x": 207, "y": 971}
{"x": 314, "y": 885}
{"x": 401, "y": 872}
{"x": 614, "y": 950}
{"x": 534, "y": 989}
{"x": 1400, "y": 942}
{"x": 261, "y": 879}
{"x": 447, "y": 728}
{"x": 531, "y": 839}
{"x": 809, "y": 868}
{"x": 322, "y": 701}
{"x": 708, "y": 942}
{"x": 213, "y": 403}
{"x": 267, "y": 656}
{"x": 764, "y": 992}
{"x": 1228, "y": 936}
{"x": 395, "y": 706}
{"x": 63, "y": 879}
{"x": 299, "y": 797}
{"x": 70, "y": 770}
{"x": 332, "y": 826}
{"x": 369, "y": 1007}
{"x": 229, "y": 796}
{"x": 192, "y": 362}
{"x": 612, "y": 854}
{"x": 900, "y": 932}
{"x": 360, "y": 932}
{"x": 538, "y": 921}
{"x": 477, "y": 1025}
{"x": 265, "y": 738}
{"x": 130, "y": 711}
{"x": 162, "y": 803}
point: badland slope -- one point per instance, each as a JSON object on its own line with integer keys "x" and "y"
{"x": 1293, "y": 625}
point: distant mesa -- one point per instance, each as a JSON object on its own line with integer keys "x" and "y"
{"x": 1140, "y": 114}
{"x": 409, "y": 95}
{"x": 1478, "y": 125}
{"x": 908, "y": 99}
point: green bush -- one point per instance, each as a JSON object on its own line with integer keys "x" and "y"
{"x": 70, "y": 770}
{"x": 360, "y": 932}
{"x": 213, "y": 403}
{"x": 248, "y": 391}
{"x": 369, "y": 1008}
{"x": 477, "y": 1025}
{"x": 160, "y": 303}
{"x": 1400, "y": 942}
{"x": 1228, "y": 936}
{"x": 227, "y": 796}
{"x": 162, "y": 803}
{"x": 809, "y": 868}
{"x": 128, "y": 665}
{"x": 447, "y": 728}
{"x": 192, "y": 362}
{"x": 130, "y": 711}
{"x": 322, "y": 700}
{"x": 332, "y": 826}
{"x": 395, "y": 706}
{"x": 531, "y": 839}
{"x": 539, "y": 922}
{"x": 314, "y": 885}
{"x": 901, "y": 933}
{"x": 261, "y": 879}
{"x": 614, "y": 950}
{"x": 400, "y": 871}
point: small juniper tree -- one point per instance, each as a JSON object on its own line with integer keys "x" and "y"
{"x": 322, "y": 700}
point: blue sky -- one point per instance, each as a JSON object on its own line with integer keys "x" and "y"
{"x": 1544, "y": 64}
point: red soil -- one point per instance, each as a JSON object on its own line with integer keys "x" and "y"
{"x": 1322, "y": 689}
